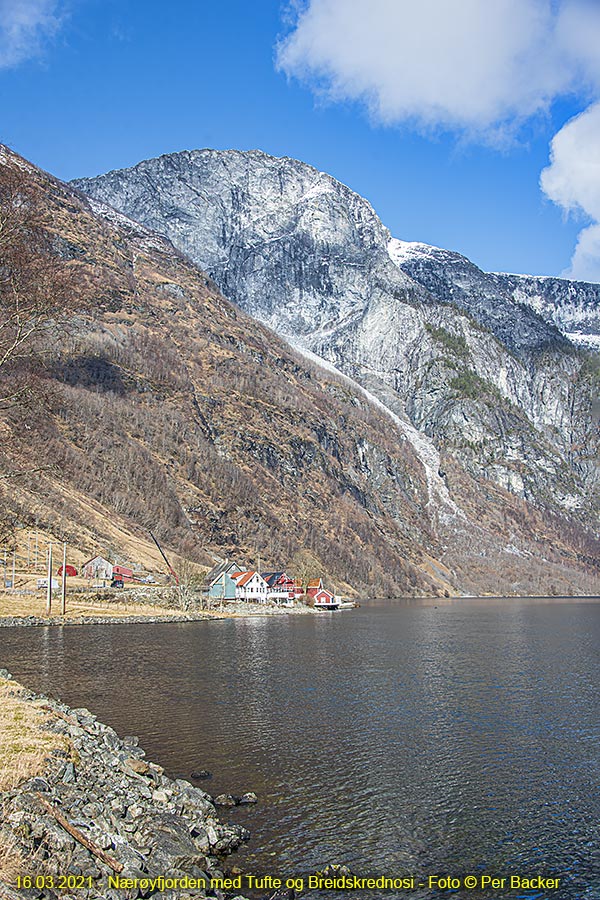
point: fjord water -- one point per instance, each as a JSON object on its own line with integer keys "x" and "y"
{"x": 397, "y": 738}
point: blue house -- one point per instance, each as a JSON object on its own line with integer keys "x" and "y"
{"x": 222, "y": 587}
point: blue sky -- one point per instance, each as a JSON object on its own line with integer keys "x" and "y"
{"x": 447, "y": 140}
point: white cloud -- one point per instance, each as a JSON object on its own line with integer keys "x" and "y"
{"x": 477, "y": 68}
{"x": 577, "y": 31}
{"x": 24, "y": 26}
{"x": 585, "y": 264}
{"x": 459, "y": 64}
{"x": 572, "y": 180}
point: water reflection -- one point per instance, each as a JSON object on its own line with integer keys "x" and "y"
{"x": 398, "y": 737}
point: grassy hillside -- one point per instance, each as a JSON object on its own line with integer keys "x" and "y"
{"x": 164, "y": 406}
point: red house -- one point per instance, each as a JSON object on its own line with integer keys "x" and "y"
{"x": 325, "y": 600}
{"x": 314, "y": 586}
{"x": 122, "y": 573}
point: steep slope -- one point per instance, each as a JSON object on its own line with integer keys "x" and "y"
{"x": 289, "y": 244}
{"x": 167, "y": 407}
{"x": 480, "y": 377}
{"x": 573, "y": 306}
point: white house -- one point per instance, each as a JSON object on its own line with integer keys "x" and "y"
{"x": 250, "y": 586}
{"x": 97, "y": 567}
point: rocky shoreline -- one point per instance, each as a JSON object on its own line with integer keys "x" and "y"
{"x": 147, "y": 831}
{"x": 231, "y": 611}
{"x": 19, "y": 621}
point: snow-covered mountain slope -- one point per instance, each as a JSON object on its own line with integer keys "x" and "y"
{"x": 289, "y": 243}
{"x": 488, "y": 379}
{"x": 286, "y": 242}
{"x": 572, "y": 306}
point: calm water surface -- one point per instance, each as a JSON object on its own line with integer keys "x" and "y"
{"x": 396, "y": 738}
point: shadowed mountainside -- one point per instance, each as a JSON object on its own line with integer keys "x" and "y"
{"x": 169, "y": 407}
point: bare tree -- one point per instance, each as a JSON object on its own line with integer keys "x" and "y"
{"x": 37, "y": 294}
{"x": 37, "y": 288}
{"x": 306, "y": 567}
{"x": 188, "y": 591}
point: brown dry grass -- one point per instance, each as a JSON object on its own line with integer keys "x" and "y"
{"x": 24, "y": 752}
{"x": 18, "y": 605}
{"x": 25, "y": 745}
{"x": 29, "y": 605}
{"x": 11, "y": 860}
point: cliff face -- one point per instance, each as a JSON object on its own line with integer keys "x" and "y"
{"x": 472, "y": 361}
{"x": 167, "y": 407}
{"x": 573, "y": 306}
{"x": 442, "y": 460}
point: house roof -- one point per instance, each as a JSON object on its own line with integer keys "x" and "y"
{"x": 242, "y": 578}
{"x": 94, "y": 559}
{"x": 218, "y": 570}
{"x": 315, "y": 583}
{"x": 272, "y": 577}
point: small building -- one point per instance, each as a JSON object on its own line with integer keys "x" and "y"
{"x": 70, "y": 571}
{"x": 250, "y": 586}
{"x": 325, "y": 600}
{"x": 219, "y": 584}
{"x": 222, "y": 588}
{"x": 226, "y": 566}
{"x": 42, "y": 583}
{"x": 122, "y": 573}
{"x": 314, "y": 586}
{"x": 281, "y": 587}
{"x": 98, "y": 568}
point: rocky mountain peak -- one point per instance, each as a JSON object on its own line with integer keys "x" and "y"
{"x": 471, "y": 362}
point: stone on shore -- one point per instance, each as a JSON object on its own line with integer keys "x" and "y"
{"x": 144, "y": 821}
{"x": 226, "y": 800}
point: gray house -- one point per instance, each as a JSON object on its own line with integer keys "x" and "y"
{"x": 97, "y": 567}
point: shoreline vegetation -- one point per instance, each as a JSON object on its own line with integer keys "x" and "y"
{"x": 105, "y": 608}
{"x": 17, "y": 610}
{"x": 79, "y": 804}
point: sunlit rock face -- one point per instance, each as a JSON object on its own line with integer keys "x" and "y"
{"x": 478, "y": 365}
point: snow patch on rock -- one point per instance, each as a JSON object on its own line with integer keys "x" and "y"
{"x": 424, "y": 448}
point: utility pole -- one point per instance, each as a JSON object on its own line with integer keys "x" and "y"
{"x": 64, "y": 580}
{"x": 169, "y": 566}
{"x": 14, "y": 569}
{"x": 49, "y": 588}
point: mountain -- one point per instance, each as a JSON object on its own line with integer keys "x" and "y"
{"x": 294, "y": 246}
{"x": 480, "y": 374}
{"x": 162, "y": 404}
{"x": 166, "y": 407}
{"x": 572, "y": 306}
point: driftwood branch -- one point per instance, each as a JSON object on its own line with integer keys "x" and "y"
{"x": 70, "y": 719}
{"x": 81, "y": 838}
